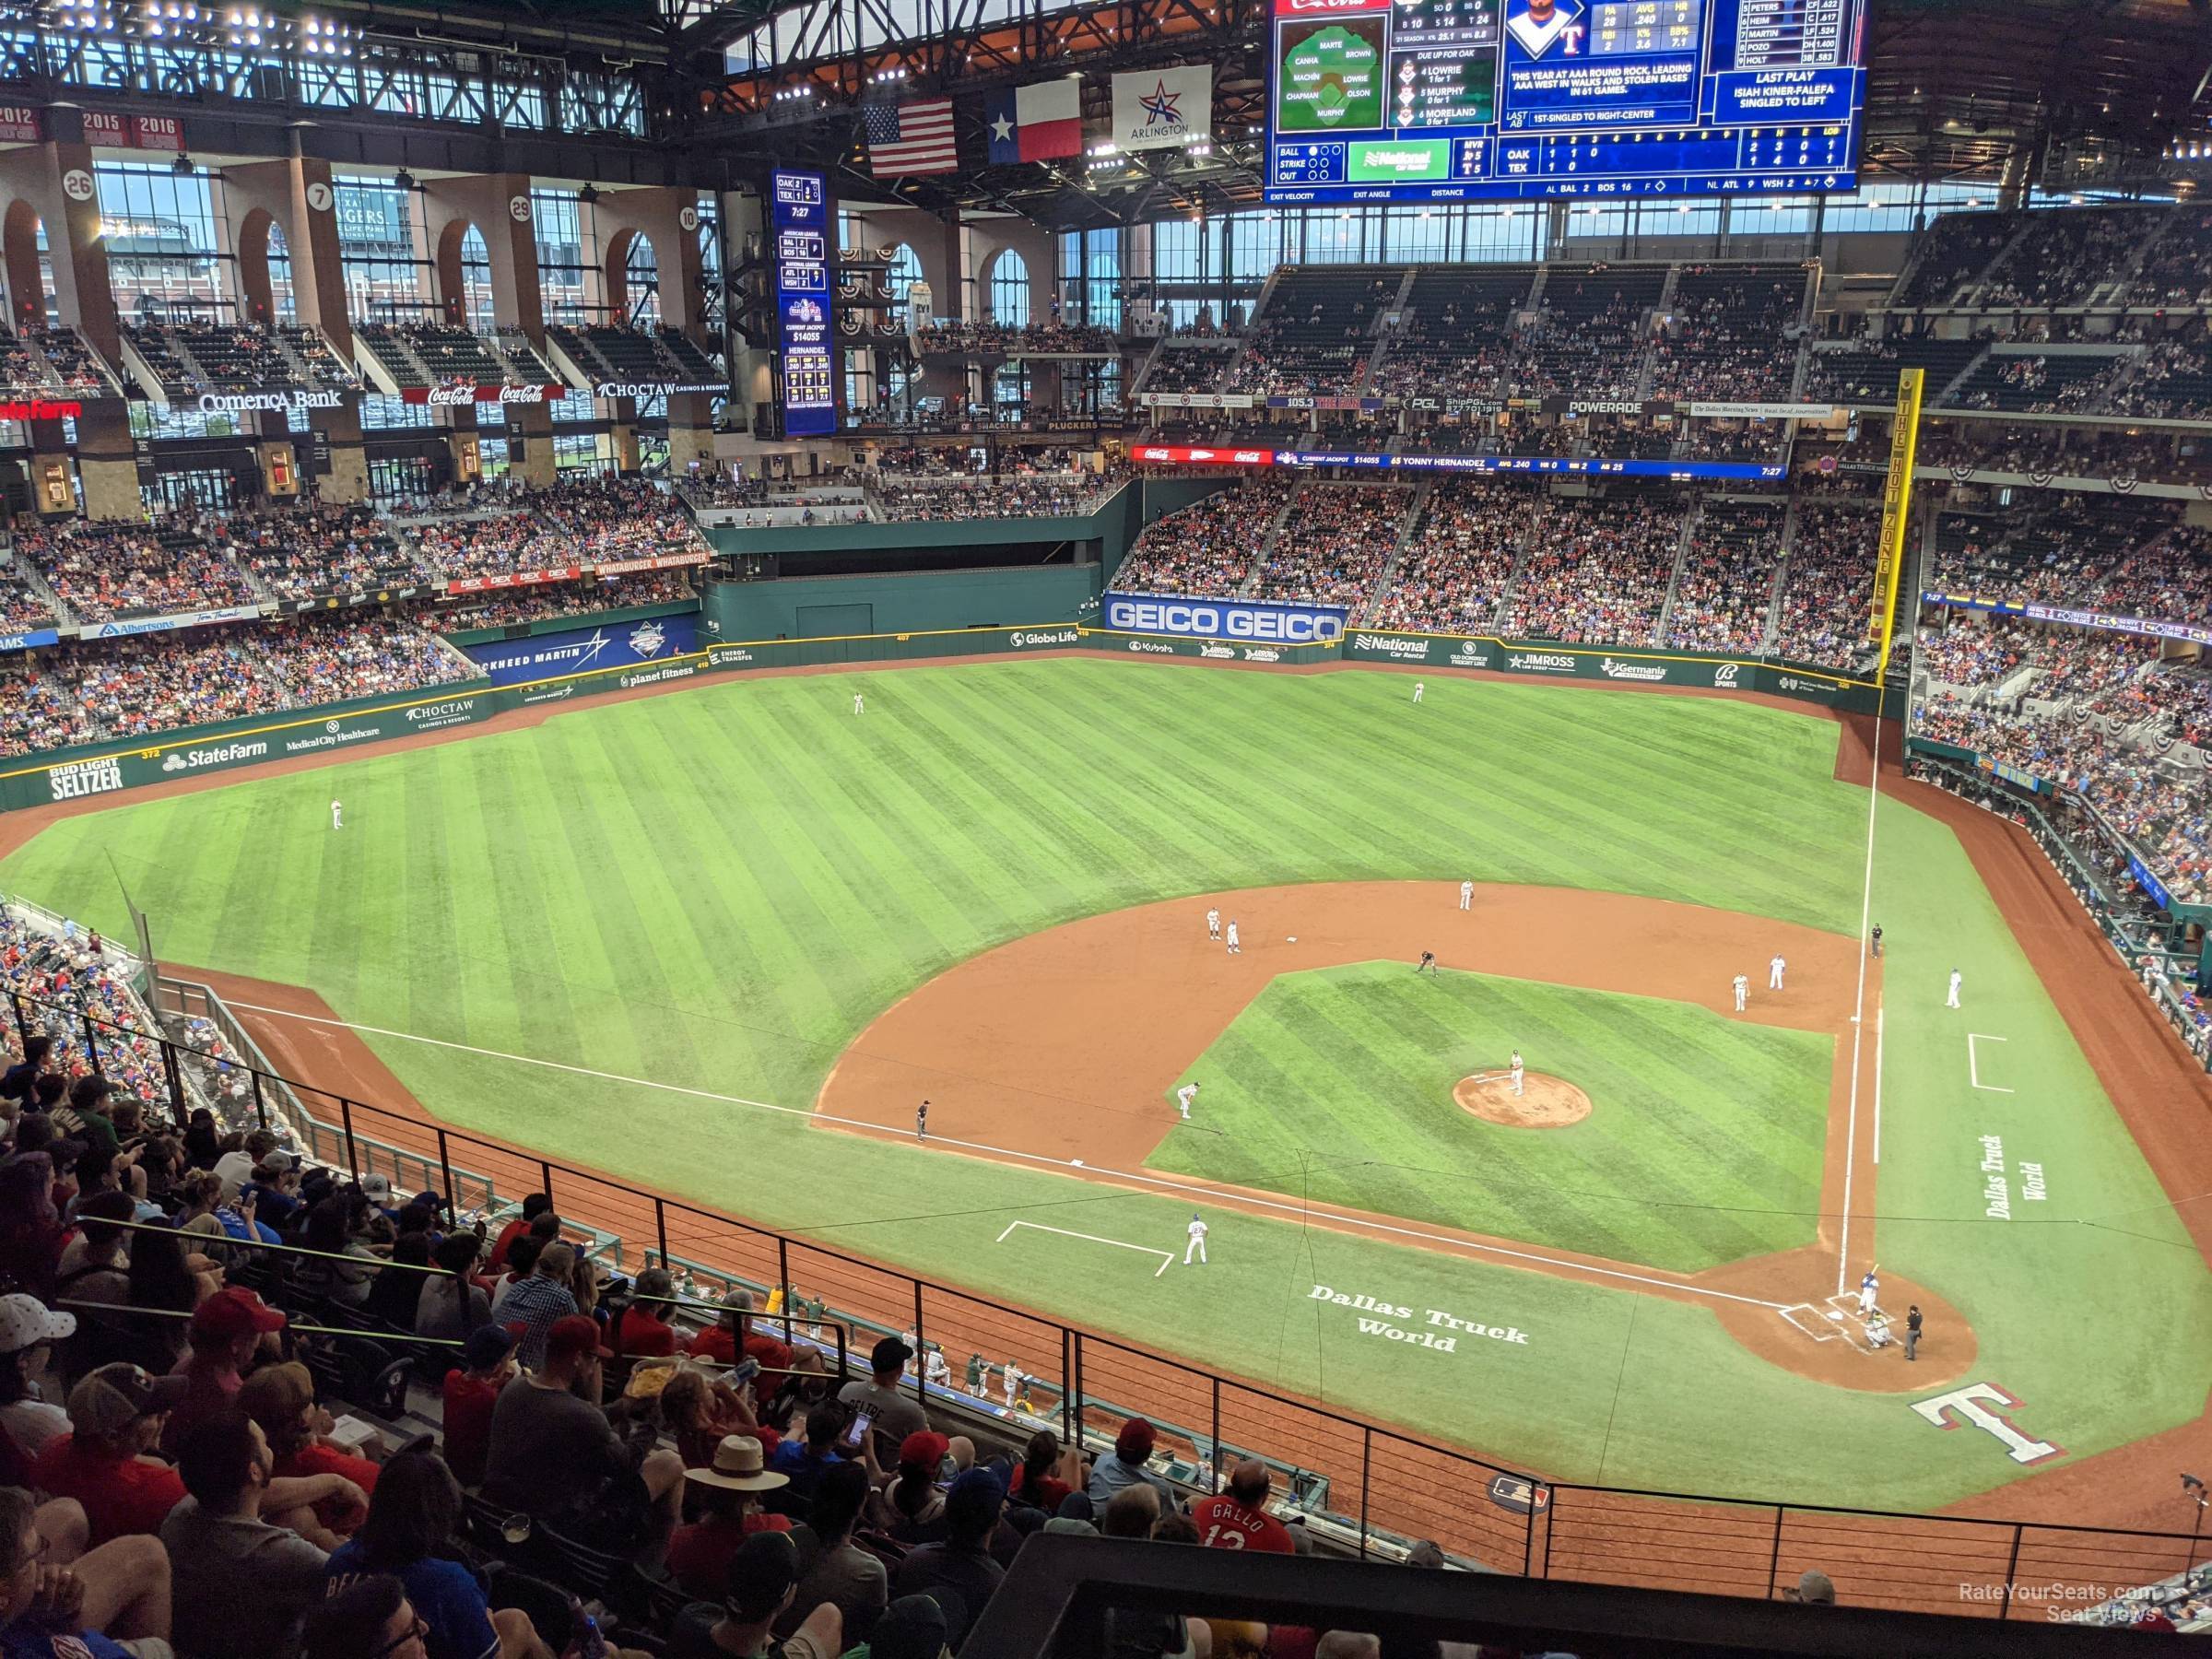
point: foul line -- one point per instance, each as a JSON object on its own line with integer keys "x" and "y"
{"x": 1974, "y": 1068}
{"x": 1167, "y": 1257}
{"x": 1213, "y": 1195}
{"x": 1850, "y": 1132}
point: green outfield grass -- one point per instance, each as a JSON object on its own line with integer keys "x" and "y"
{"x": 715, "y": 890}
{"x": 1703, "y": 1143}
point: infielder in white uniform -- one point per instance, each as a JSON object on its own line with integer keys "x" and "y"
{"x": 1952, "y": 1001}
{"x": 1416, "y": 691}
{"x": 858, "y": 706}
{"x": 1774, "y": 970}
{"x": 1183, "y": 1096}
{"x": 1196, "y": 1247}
{"x": 1234, "y": 948}
{"x": 1867, "y": 1286}
{"x": 1517, "y": 1071}
{"x": 1467, "y": 895}
{"x": 1742, "y": 986}
{"x": 1213, "y": 925}
{"x": 337, "y": 822}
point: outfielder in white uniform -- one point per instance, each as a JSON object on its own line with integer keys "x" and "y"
{"x": 1234, "y": 948}
{"x": 858, "y": 706}
{"x": 1196, "y": 1247}
{"x": 1183, "y": 1096}
{"x": 1213, "y": 925}
{"x": 1517, "y": 1071}
{"x": 1742, "y": 986}
{"x": 1952, "y": 1001}
{"x": 337, "y": 822}
{"x": 1416, "y": 691}
{"x": 1774, "y": 970}
{"x": 1867, "y": 1286}
{"x": 1467, "y": 895}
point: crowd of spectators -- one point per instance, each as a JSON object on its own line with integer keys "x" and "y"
{"x": 1207, "y": 548}
{"x": 72, "y": 359}
{"x": 1007, "y": 495}
{"x": 2168, "y": 577}
{"x": 505, "y": 530}
{"x": 1825, "y": 584}
{"x": 1593, "y": 353}
{"x": 2164, "y": 816}
{"x": 2174, "y": 381}
{"x": 1458, "y": 557}
{"x": 999, "y": 339}
{"x": 1973, "y": 657}
{"x": 1597, "y": 570}
{"x": 133, "y": 688}
{"x": 1725, "y": 591}
{"x": 1730, "y": 335}
{"x": 104, "y": 571}
{"x": 1955, "y": 248}
{"x": 22, "y": 606}
{"x": 2067, "y": 253}
{"x": 309, "y": 551}
{"x": 1335, "y": 544}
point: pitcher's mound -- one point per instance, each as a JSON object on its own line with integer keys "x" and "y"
{"x": 1544, "y": 1102}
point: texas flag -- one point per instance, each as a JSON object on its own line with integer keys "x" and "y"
{"x": 1036, "y": 123}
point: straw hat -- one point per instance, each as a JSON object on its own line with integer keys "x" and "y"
{"x": 740, "y": 1467}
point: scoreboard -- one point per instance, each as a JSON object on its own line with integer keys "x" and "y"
{"x": 1447, "y": 101}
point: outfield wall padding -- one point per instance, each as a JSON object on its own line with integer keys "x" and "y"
{"x": 115, "y": 766}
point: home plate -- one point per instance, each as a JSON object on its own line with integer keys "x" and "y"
{"x": 1834, "y": 1315}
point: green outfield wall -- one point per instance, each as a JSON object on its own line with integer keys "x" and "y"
{"x": 802, "y": 607}
{"x": 545, "y": 625}
{"x": 64, "y": 776}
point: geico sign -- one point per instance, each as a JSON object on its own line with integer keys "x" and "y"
{"x": 1222, "y": 622}
{"x": 239, "y": 403}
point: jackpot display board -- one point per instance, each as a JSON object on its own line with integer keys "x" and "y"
{"x": 1376, "y": 100}
{"x": 799, "y": 220}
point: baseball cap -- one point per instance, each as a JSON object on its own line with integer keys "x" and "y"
{"x": 924, "y": 1449}
{"x": 889, "y": 1353}
{"x": 918, "y": 1626}
{"x": 487, "y": 1345}
{"x": 1816, "y": 1587}
{"x": 106, "y": 1402}
{"x": 760, "y": 1575}
{"x": 235, "y": 1311}
{"x": 376, "y": 1188}
{"x": 1135, "y": 1439}
{"x": 25, "y": 1322}
{"x": 573, "y": 1335}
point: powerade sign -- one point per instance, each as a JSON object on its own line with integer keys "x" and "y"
{"x": 1226, "y": 620}
{"x": 581, "y": 650}
{"x": 799, "y": 216}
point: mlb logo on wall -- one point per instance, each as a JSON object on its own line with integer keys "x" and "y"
{"x": 1163, "y": 109}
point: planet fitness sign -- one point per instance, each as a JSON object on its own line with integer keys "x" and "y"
{"x": 1226, "y": 620}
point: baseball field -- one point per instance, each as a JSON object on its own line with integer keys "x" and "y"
{"x": 722, "y": 942}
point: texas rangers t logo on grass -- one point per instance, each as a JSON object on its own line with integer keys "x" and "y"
{"x": 1971, "y": 1402}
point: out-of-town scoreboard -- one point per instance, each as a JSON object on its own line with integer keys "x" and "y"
{"x": 1382, "y": 100}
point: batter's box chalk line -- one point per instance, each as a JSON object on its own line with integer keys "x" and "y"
{"x": 1834, "y": 1320}
{"x": 1167, "y": 1258}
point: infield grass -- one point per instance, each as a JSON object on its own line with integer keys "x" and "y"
{"x": 1703, "y": 1143}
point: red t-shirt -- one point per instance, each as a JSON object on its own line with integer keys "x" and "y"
{"x": 698, "y": 1555}
{"x": 121, "y": 1496}
{"x": 715, "y": 1343}
{"x": 774, "y": 1356}
{"x": 1047, "y": 1493}
{"x": 507, "y": 1235}
{"x": 1224, "y": 1523}
{"x": 644, "y": 1335}
{"x": 468, "y": 1404}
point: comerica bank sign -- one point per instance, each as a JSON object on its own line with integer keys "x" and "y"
{"x": 1226, "y": 620}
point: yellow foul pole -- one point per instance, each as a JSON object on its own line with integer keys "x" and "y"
{"x": 1897, "y": 501}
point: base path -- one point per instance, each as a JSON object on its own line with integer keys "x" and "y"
{"x": 1060, "y": 1048}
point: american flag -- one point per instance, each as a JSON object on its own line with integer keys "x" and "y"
{"x": 906, "y": 140}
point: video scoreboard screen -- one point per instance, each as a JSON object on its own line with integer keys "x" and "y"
{"x": 1446, "y": 101}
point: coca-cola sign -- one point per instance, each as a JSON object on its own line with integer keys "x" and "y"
{"x": 446, "y": 397}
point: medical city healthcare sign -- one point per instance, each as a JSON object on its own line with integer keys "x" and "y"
{"x": 1241, "y": 619}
